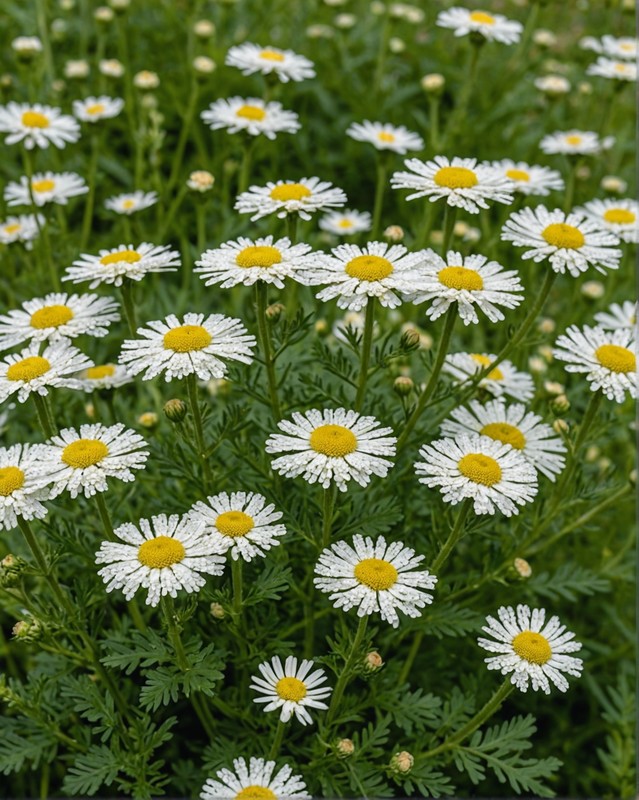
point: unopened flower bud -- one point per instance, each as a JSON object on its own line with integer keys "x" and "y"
{"x": 204, "y": 65}
{"x": 437, "y": 238}
{"x": 522, "y": 567}
{"x": 592, "y": 453}
{"x": 633, "y": 477}
{"x": 373, "y": 661}
{"x": 146, "y": 80}
{"x": 546, "y": 325}
{"x": 613, "y": 184}
{"x": 410, "y": 340}
{"x": 544, "y": 38}
{"x": 200, "y": 181}
{"x": 403, "y": 385}
{"x": 321, "y": 327}
{"x": 585, "y": 87}
{"x": 103, "y": 14}
{"x": 149, "y": 419}
{"x": 119, "y": 6}
{"x": 76, "y": 69}
{"x": 433, "y": 83}
{"x": 58, "y": 85}
{"x": 560, "y": 426}
{"x": 593, "y": 290}
{"x": 26, "y": 48}
{"x": 604, "y": 464}
{"x": 175, "y": 410}
{"x": 545, "y": 351}
{"x": 554, "y": 387}
{"x": 217, "y": 611}
{"x": 204, "y": 28}
{"x": 11, "y": 570}
{"x": 111, "y": 68}
{"x": 560, "y": 404}
{"x": 395, "y": 233}
{"x": 274, "y": 312}
{"x": 396, "y": 45}
{"x": 89, "y": 410}
{"x": 537, "y": 364}
{"x": 345, "y": 21}
{"x": 402, "y": 762}
{"x": 28, "y": 630}
{"x": 345, "y": 748}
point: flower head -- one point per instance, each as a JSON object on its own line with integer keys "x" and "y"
{"x": 34, "y": 371}
{"x": 618, "y": 316}
{"x": 285, "y": 64}
{"x": 255, "y": 781}
{"x": 94, "y": 109}
{"x": 37, "y": 125}
{"x": 290, "y": 688}
{"x": 126, "y": 261}
{"x": 22, "y": 487}
{"x": 302, "y": 197}
{"x": 384, "y": 136}
{"x": 345, "y": 223}
{"x": 494, "y": 27}
{"x": 620, "y": 217}
{"x": 24, "y": 228}
{"x": 104, "y": 376}
{"x": 527, "y": 179}
{"x": 575, "y": 142}
{"x": 614, "y": 69}
{"x": 252, "y": 115}
{"x": 46, "y": 187}
{"x": 503, "y": 379}
{"x": 622, "y": 47}
{"x": 131, "y": 202}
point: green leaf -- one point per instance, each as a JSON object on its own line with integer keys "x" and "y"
{"x": 92, "y": 703}
{"x": 270, "y": 585}
{"x": 24, "y": 742}
{"x": 91, "y": 770}
{"x": 428, "y": 781}
{"x": 447, "y": 619}
{"x": 411, "y": 710}
{"x": 569, "y": 581}
{"x": 134, "y": 649}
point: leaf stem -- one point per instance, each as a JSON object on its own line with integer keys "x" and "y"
{"x": 367, "y": 341}
{"x": 345, "y": 675}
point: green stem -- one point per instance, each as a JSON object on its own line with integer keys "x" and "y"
{"x": 291, "y": 227}
{"x": 105, "y": 517}
{"x": 87, "y": 220}
{"x": 245, "y": 168}
{"x": 380, "y": 186}
{"x": 185, "y": 129}
{"x": 265, "y": 345}
{"x": 450, "y": 214}
{"x": 170, "y": 215}
{"x": 345, "y": 675}
{"x": 433, "y": 104}
{"x": 328, "y": 506}
{"x": 381, "y": 54}
{"x": 45, "y": 418}
{"x": 422, "y": 238}
{"x": 129, "y": 305}
{"x": 236, "y": 577}
{"x": 367, "y": 341}
{"x": 43, "y": 30}
{"x": 459, "y": 111}
{"x": 453, "y": 537}
{"x": 277, "y": 741}
{"x": 569, "y": 191}
{"x": 198, "y": 428}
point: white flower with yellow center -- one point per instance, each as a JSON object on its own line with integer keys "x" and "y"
{"x": 247, "y": 261}
{"x": 527, "y": 179}
{"x": 462, "y": 182}
{"x": 332, "y": 446}
{"x": 23, "y": 228}
{"x": 287, "y": 65}
{"x": 35, "y": 371}
{"x": 504, "y": 379}
{"x": 618, "y": 316}
{"x": 513, "y": 425}
{"x": 241, "y": 523}
{"x": 81, "y": 462}
{"x": 571, "y": 242}
{"x": 346, "y": 223}
{"x": 22, "y": 489}
{"x": 255, "y": 781}
{"x": 199, "y": 345}
{"x": 131, "y": 202}
{"x": 619, "y": 216}
{"x": 58, "y": 316}
{"x": 531, "y": 652}
{"x": 302, "y": 197}
{"x": 37, "y": 125}
{"x": 252, "y": 115}
{"x": 46, "y": 187}
{"x": 374, "y": 577}
{"x": 494, "y": 27}
{"x": 384, "y": 136}
{"x": 614, "y": 69}
{"x": 93, "y": 109}
{"x": 622, "y": 47}
{"x": 607, "y": 358}
{"x": 291, "y": 688}
{"x": 469, "y": 282}
{"x": 354, "y": 274}
{"x": 164, "y": 555}
{"x": 575, "y": 142}
{"x": 104, "y": 376}
{"x": 125, "y": 261}
{"x": 496, "y": 476}
{"x": 553, "y": 85}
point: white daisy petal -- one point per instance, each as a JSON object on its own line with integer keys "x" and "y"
{"x": 125, "y": 261}
{"x": 252, "y": 115}
{"x": 494, "y": 27}
{"x": 384, "y": 136}
{"x": 46, "y": 187}
{"x": 35, "y": 371}
{"x": 504, "y": 379}
{"x": 287, "y": 65}
{"x": 290, "y": 691}
{"x": 37, "y": 125}
{"x": 255, "y": 779}
{"x": 23, "y": 489}
{"x": 302, "y": 197}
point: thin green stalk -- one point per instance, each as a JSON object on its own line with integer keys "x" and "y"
{"x": 453, "y": 537}
{"x": 236, "y": 577}
{"x": 380, "y": 187}
{"x": 367, "y": 341}
{"x": 328, "y": 507}
{"x": 450, "y": 213}
{"x": 291, "y": 227}
{"x": 245, "y": 168}
{"x": 87, "y": 220}
{"x": 200, "y": 226}
{"x": 434, "y": 101}
{"x": 198, "y": 428}
{"x": 277, "y": 741}
{"x": 44, "y": 243}
{"x": 459, "y": 111}
{"x": 129, "y": 305}
{"x": 569, "y": 191}
{"x": 422, "y": 238}
{"x": 173, "y": 209}
{"x": 266, "y": 347}
{"x": 105, "y": 517}
{"x": 345, "y": 675}
{"x": 45, "y": 418}
{"x": 381, "y": 54}
{"x": 43, "y": 31}
{"x": 185, "y": 129}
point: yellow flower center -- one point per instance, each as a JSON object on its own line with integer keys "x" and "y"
{"x": 258, "y": 256}
{"x": 84, "y": 453}
{"x": 272, "y": 55}
{"x": 255, "y": 792}
{"x": 46, "y": 185}
{"x": 102, "y": 371}
{"x": 335, "y": 441}
{"x": 96, "y": 108}
{"x": 290, "y": 191}
{"x": 482, "y": 17}
{"x": 383, "y": 136}
{"x": 51, "y": 317}
{"x": 127, "y": 204}
{"x": 251, "y": 112}
{"x": 13, "y": 228}
{"x": 574, "y": 138}
{"x": 517, "y": 175}
{"x": 460, "y": 278}
{"x": 345, "y": 223}
{"x": 130, "y": 256}
{"x": 375, "y": 573}
{"x": 532, "y": 647}
{"x": 479, "y": 468}
{"x": 616, "y": 358}
{"x": 291, "y": 689}
{"x": 11, "y": 478}
{"x": 163, "y": 551}
{"x": 187, "y": 338}
{"x": 455, "y": 178}
{"x": 34, "y": 119}
{"x": 619, "y": 216}
{"x": 495, "y": 374}
{"x": 620, "y": 67}
{"x": 28, "y": 369}
{"x": 561, "y": 235}
{"x": 369, "y": 268}
{"x": 503, "y": 432}
{"x": 234, "y": 523}
{"x": 627, "y": 46}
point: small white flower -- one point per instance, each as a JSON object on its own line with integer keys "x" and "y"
{"x": 494, "y": 27}
{"x": 131, "y": 202}
{"x": 619, "y": 216}
{"x": 527, "y": 179}
{"x": 374, "y": 577}
{"x": 197, "y": 346}
{"x": 622, "y": 47}
{"x": 22, "y": 489}
{"x": 200, "y": 181}
{"x": 111, "y": 68}
{"x": 332, "y": 446}
{"x": 384, "y": 136}
{"x": 529, "y": 651}
{"x": 93, "y": 109}
{"x": 552, "y": 85}
{"x": 240, "y": 523}
{"x": 255, "y": 781}
{"x": 575, "y": 142}
{"x": 346, "y": 223}
{"x": 125, "y": 261}
{"x": 76, "y": 69}
{"x": 494, "y": 475}
{"x": 146, "y": 80}
{"x": 46, "y": 187}
{"x": 505, "y": 379}
{"x": 618, "y": 316}
{"x": 37, "y": 125}
{"x": 253, "y": 115}
{"x": 607, "y": 358}
{"x": 287, "y": 65}
{"x": 32, "y": 371}
{"x": 164, "y": 555}
{"x": 23, "y": 228}
{"x": 26, "y": 45}
{"x": 303, "y": 197}
{"x": 611, "y": 68}
{"x": 291, "y": 688}
{"x": 104, "y": 376}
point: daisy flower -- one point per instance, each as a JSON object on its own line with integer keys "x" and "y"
{"x": 462, "y": 182}
{"x": 252, "y": 115}
{"x": 247, "y": 261}
{"x": 503, "y": 380}
{"x": 618, "y": 216}
{"x": 513, "y": 425}
{"x": 131, "y": 202}
{"x": 291, "y": 688}
{"x": 618, "y": 316}
{"x": 527, "y": 179}
{"x": 332, "y": 446}
{"x": 494, "y": 27}
{"x": 380, "y": 270}
{"x": 58, "y": 316}
{"x": 570, "y": 242}
{"x": 622, "y": 47}
{"x": 46, "y": 187}
{"x": 125, "y": 261}
{"x": 346, "y": 223}
{"x": 611, "y": 68}
{"x": 469, "y": 282}
{"x": 285, "y": 64}
{"x": 94, "y": 109}
{"x": 607, "y": 358}
{"x": 575, "y": 143}
{"x": 384, "y": 136}
{"x": 103, "y": 376}
{"x": 24, "y": 228}
{"x": 552, "y": 85}
{"x": 164, "y": 555}
{"x": 375, "y": 577}
{"x": 32, "y": 371}
{"x": 22, "y": 491}
{"x": 289, "y": 197}
{"x": 240, "y": 523}
{"x": 494, "y": 475}
{"x": 196, "y": 345}
{"x": 529, "y": 651}
{"x": 37, "y": 125}
{"x": 255, "y": 781}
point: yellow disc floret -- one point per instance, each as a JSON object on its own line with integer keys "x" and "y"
{"x": 34, "y": 119}
{"x": 369, "y": 268}
{"x": 532, "y": 647}
{"x": 11, "y": 478}
{"x": 45, "y": 185}
{"x": 84, "y": 453}
{"x": 234, "y": 523}
{"x": 255, "y": 792}
{"x": 187, "y": 338}
{"x": 574, "y": 139}
{"x": 376, "y": 573}
{"x": 616, "y": 358}
{"x": 28, "y": 369}
{"x": 130, "y": 256}
{"x": 50, "y": 317}
{"x": 480, "y": 468}
{"x": 503, "y": 432}
{"x": 561, "y": 235}
{"x": 291, "y": 689}
{"x": 495, "y": 374}
{"x": 619, "y": 216}
{"x": 99, "y": 372}
{"x": 335, "y": 441}
{"x": 13, "y": 228}
{"x": 461, "y": 278}
{"x": 482, "y": 18}
{"x": 455, "y": 178}
{"x": 384, "y": 136}
{"x": 258, "y": 256}
{"x": 517, "y": 175}
{"x": 290, "y": 191}
{"x": 272, "y": 55}
{"x": 96, "y": 108}
{"x": 254, "y": 113}
{"x": 161, "y": 552}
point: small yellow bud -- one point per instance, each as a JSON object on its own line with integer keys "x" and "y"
{"x": 345, "y": 748}
{"x": 217, "y": 611}
{"x": 402, "y": 762}
{"x": 149, "y": 419}
{"x": 522, "y": 567}
{"x": 175, "y": 410}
